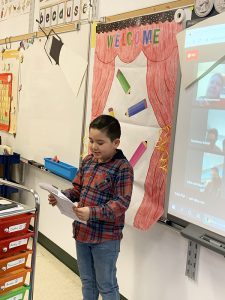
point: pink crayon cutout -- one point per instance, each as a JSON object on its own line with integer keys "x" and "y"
{"x": 138, "y": 153}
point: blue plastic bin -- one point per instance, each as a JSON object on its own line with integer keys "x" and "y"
{"x": 62, "y": 169}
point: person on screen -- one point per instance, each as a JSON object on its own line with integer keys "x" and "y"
{"x": 215, "y": 86}
{"x": 213, "y": 92}
{"x": 212, "y": 136}
{"x": 213, "y": 187}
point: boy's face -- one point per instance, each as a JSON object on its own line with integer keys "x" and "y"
{"x": 101, "y": 146}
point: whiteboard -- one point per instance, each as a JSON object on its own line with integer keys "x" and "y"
{"x": 50, "y": 115}
{"x": 8, "y": 28}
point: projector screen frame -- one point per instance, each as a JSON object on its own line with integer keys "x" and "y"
{"x": 191, "y": 231}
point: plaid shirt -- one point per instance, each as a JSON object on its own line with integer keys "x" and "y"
{"x": 106, "y": 188}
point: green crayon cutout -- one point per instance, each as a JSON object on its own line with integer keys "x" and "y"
{"x": 124, "y": 83}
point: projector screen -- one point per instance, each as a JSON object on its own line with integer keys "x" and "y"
{"x": 197, "y": 182}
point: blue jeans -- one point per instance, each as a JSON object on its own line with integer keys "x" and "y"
{"x": 97, "y": 268}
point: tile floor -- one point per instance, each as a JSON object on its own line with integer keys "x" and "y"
{"x": 53, "y": 280}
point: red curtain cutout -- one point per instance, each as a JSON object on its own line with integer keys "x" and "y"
{"x": 162, "y": 63}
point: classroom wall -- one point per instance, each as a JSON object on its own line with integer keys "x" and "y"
{"x": 152, "y": 263}
{"x": 109, "y": 8}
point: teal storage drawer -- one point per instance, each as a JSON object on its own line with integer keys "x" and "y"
{"x": 62, "y": 169}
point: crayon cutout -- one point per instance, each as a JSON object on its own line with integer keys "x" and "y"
{"x": 123, "y": 82}
{"x": 55, "y": 159}
{"x": 138, "y": 153}
{"x": 111, "y": 112}
{"x": 136, "y": 108}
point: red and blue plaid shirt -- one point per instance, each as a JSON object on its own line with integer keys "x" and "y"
{"x": 106, "y": 188}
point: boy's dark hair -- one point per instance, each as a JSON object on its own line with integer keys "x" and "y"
{"x": 213, "y": 131}
{"x": 107, "y": 124}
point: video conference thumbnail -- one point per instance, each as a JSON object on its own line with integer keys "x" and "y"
{"x": 205, "y": 173}
{"x": 211, "y": 88}
{"x": 207, "y": 130}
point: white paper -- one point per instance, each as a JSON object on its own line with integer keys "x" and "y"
{"x": 5, "y": 202}
{"x": 63, "y": 203}
{"x": 73, "y": 69}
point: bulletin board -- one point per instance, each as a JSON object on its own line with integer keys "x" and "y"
{"x": 134, "y": 69}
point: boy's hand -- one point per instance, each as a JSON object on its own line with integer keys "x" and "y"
{"x": 83, "y": 213}
{"x": 51, "y": 199}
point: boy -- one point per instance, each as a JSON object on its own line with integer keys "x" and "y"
{"x": 102, "y": 188}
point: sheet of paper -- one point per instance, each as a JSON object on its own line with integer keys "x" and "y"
{"x": 19, "y": 207}
{"x": 73, "y": 69}
{"x": 4, "y": 201}
{"x": 63, "y": 203}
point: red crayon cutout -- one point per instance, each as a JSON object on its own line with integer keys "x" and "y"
{"x": 55, "y": 159}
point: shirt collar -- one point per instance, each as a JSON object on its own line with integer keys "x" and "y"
{"x": 118, "y": 155}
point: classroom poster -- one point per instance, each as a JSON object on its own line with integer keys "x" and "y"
{"x": 9, "y": 77}
{"x": 56, "y": 12}
{"x": 134, "y": 78}
{"x": 13, "y": 8}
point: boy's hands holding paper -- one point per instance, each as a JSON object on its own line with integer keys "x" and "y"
{"x": 83, "y": 213}
{"x": 52, "y": 200}
{"x": 64, "y": 204}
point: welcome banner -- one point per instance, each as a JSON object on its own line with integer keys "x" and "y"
{"x": 134, "y": 78}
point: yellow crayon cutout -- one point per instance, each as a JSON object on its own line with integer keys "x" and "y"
{"x": 124, "y": 83}
{"x": 111, "y": 112}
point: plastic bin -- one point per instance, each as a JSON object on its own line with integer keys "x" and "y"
{"x": 16, "y": 294}
{"x": 62, "y": 169}
{"x": 6, "y": 191}
{"x": 14, "y": 244}
{"x": 7, "y": 161}
{"x": 12, "y": 159}
{"x": 14, "y": 262}
{"x": 13, "y": 280}
{"x": 15, "y": 225}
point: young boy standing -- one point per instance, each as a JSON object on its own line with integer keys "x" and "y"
{"x": 102, "y": 188}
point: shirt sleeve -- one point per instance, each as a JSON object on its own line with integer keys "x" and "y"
{"x": 120, "y": 203}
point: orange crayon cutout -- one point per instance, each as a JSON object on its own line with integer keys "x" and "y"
{"x": 138, "y": 153}
{"x": 111, "y": 112}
